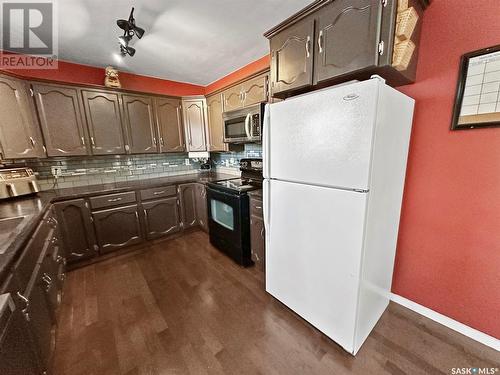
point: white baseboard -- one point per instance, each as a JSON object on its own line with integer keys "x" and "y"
{"x": 474, "y": 334}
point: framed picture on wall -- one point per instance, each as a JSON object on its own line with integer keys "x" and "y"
{"x": 477, "y": 103}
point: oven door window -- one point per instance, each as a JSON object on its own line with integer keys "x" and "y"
{"x": 235, "y": 128}
{"x": 222, "y": 214}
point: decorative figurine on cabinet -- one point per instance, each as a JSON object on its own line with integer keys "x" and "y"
{"x": 111, "y": 79}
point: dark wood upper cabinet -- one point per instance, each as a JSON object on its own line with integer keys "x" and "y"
{"x": 347, "y": 38}
{"x": 195, "y": 124}
{"x": 169, "y": 120}
{"x": 117, "y": 228}
{"x": 161, "y": 217}
{"x": 187, "y": 197}
{"x": 292, "y": 57}
{"x": 104, "y": 121}
{"x": 233, "y": 98}
{"x": 20, "y": 135}
{"x": 215, "y": 123}
{"x": 77, "y": 231}
{"x": 140, "y": 124}
{"x": 254, "y": 90}
{"x": 330, "y": 42}
{"x": 61, "y": 118}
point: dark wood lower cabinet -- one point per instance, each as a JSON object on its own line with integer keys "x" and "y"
{"x": 117, "y": 228}
{"x": 77, "y": 231}
{"x": 161, "y": 217}
{"x": 17, "y": 353}
{"x": 187, "y": 198}
{"x": 257, "y": 240}
{"x": 39, "y": 316}
{"x": 201, "y": 206}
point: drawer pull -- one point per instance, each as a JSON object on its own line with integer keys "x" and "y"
{"x": 258, "y": 207}
{"x": 114, "y": 200}
{"x": 25, "y": 310}
{"x": 159, "y": 192}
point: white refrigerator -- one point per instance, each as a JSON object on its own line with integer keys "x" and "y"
{"x": 334, "y": 169}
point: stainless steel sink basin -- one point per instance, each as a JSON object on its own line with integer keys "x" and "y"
{"x": 10, "y": 223}
{"x": 9, "y": 228}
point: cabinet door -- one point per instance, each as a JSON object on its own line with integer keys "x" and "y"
{"x": 40, "y": 318}
{"x": 255, "y": 90}
{"x": 117, "y": 228}
{"x": 20, "y": 135}
{"x": 161, "y": 217}
{"x": 77, "y": 231}
{"x": 292, "y": 57}
{"x": 60, "y": 114}
{"x": 257, "y": 242}
{"x": 168, "y": 117}
{"x": 104, "y": 122}
{"x": 187, "y": 196}
{"x": 194, "y": 124}
{"x": 233, "y": 98}
{"x": 201, "y": 206}
{"x": 337, "y": 55}
{"x": 139, "y": 124}
{"x": 17, "y": 354}
{"x": 215, "y": 124}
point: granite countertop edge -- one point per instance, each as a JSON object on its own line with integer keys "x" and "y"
{"x": 35, "y": 207}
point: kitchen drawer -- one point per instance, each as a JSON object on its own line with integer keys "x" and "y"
{"x": 32, "y": 252}
{"x": 256, "y": 207}
{"x": 112, "y": 200}
{"x": 160, "y": 192}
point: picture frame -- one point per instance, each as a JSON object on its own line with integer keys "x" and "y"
{"x": 477, "y": 100}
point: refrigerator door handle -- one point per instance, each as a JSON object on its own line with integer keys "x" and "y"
{"x": 265, "y": 141}
{"x": 266, "y": 204}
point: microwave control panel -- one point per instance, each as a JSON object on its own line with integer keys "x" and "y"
{"x": 256, "y": 125}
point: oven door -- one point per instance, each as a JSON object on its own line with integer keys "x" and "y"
{"x": 229, "y": 226}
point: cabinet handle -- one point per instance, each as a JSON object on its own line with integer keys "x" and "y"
{"x": 78, "y": 255}
{"x": 33, "y": 143}
{"x": 262, "y": 232}
{"x": 159, "y": 192}
{"x": 115, "y": 199}
{"x": 154, "y": 141}
{"x": 161, "y": 142}
{"x": 25, "y": 310}
{"x": 83, "y": 141}
{"x": 92, "y": 140}
{"x": 320, "y": 41}
{"x": 308, "y": 46}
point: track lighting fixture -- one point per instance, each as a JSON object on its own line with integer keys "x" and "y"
{"x": 129, "y": 30}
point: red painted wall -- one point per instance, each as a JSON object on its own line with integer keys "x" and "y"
{"x": 448, "y": 256}
{"x": 85, "y": 74}
{"x": 252, "y": 68}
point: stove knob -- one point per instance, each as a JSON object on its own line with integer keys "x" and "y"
{"x": 244, "y": 164}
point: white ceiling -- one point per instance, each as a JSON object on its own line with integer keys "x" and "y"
{"x": 196, "y": 41}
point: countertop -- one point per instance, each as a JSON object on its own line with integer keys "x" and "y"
{"x": 33, "y": 208}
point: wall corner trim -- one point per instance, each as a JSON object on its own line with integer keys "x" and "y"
{"x": 470, "y": 332}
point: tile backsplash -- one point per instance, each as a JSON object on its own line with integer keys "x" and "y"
{"x": 231, "y": 160}
{"x": 95, "y": 170}
{"x": 82, "y": 171}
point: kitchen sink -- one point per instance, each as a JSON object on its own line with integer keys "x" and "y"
{"x": 10, "y": 223}
{"x": 8, "y": 228}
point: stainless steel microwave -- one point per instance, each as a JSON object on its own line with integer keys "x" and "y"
{"x": 244, "y": 125}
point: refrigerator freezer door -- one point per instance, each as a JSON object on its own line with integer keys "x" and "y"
{"x": 324, "y": 138}
{"x": 314, "y": 241}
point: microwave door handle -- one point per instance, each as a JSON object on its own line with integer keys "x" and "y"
{"x": 247, "y": 126}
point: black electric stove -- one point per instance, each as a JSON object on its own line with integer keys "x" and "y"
{"x": 229, "y": 211}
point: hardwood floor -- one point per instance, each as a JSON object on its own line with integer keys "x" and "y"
{"x": 181, "y": 307}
